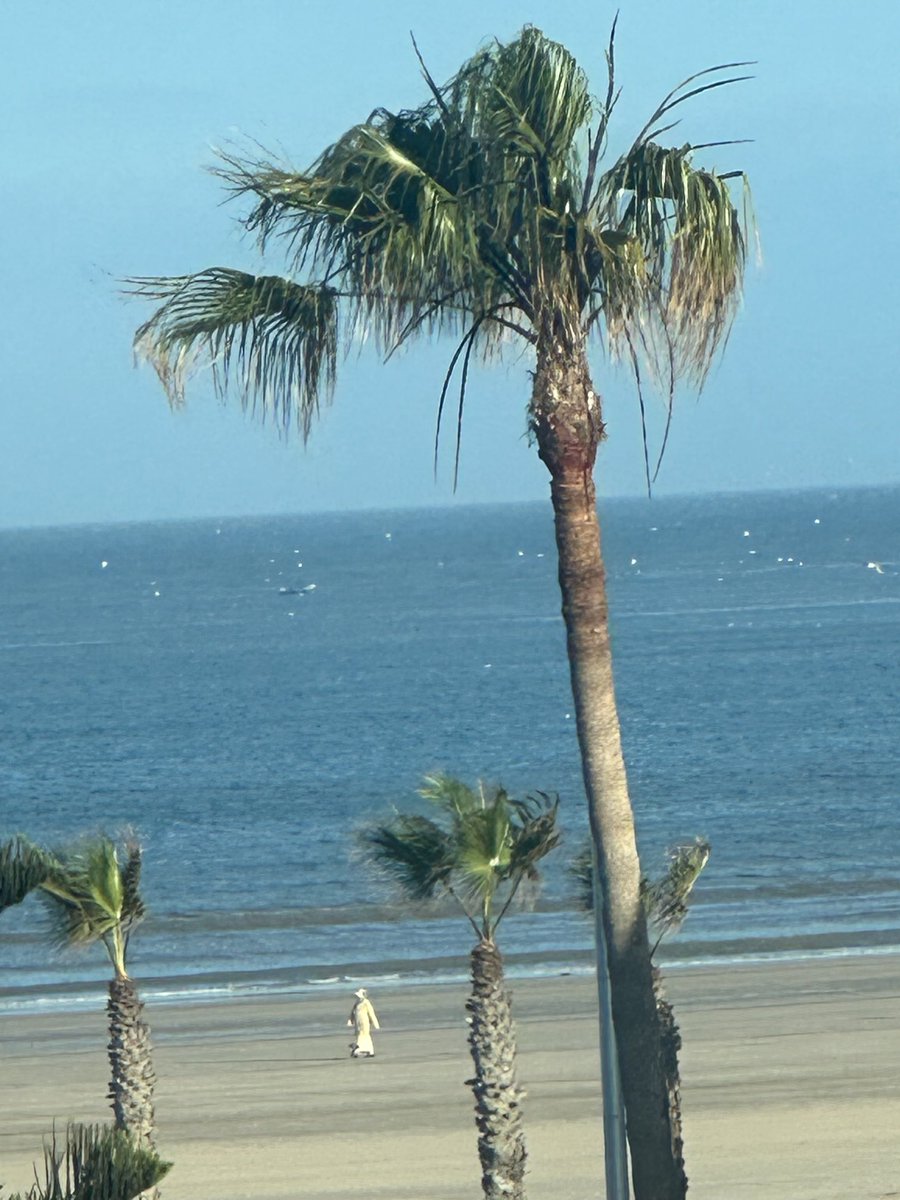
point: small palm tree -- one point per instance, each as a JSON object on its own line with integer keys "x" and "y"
{"x": 666, "y": 903}
{"x": 479, "y": 849}
{"x": 93, "y": 897}
{"x": 96, "y": 1162}
{"x": 23, "y": 867}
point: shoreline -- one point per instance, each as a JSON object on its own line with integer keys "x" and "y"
{"x": 789, "y": 1087}
{"x": 62, "y": 996}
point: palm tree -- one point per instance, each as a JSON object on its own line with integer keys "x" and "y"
{"x": 96, "y": 1162}
{"x": 23, "y": 867}
{"x": 93, "y": 897}
{"x": 491, "y": 213}
{"x": 479, "y": 849}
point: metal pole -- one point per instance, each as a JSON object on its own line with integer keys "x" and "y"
{"x": 615, "y": 1149}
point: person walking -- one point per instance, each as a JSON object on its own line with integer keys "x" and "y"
{"x": 363, "y": 1018}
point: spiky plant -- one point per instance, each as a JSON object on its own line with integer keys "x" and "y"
{"x": 494, "y": 213}
{"x": 96, "y": 1162}
{"x": 479, "y": 848}
{"x": 23, "y": 867}
{"x": 94, "y": 896}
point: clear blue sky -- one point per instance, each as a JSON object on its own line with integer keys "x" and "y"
{"x": 111, "y": 111}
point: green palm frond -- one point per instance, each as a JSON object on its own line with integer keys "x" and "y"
{"x": 278, "y": 337}
{"x": 536, "y": 104}
{"x": 452, "y": 796}
{"x": 90, "y": 897}
{"x": 415, "y": 852}
{"x": 692, "y": 254}
{"x": 96, "y": 1162}
{"x": 581, "y": 869}
{"x": 388, "y": 211}
{"x": 132, "y": 902}
{"x": 23, "y": 867}
{"x": 666, "y": 901}
{"x": 534, "y": 831}
{"x": 483, "y": 213}
{"x": 484, "y": 847}
{"x": 480, "y": 847}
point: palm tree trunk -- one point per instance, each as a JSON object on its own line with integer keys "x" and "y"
{"x": 567, "y": 425}
{"x": 670, "y": 1036}
{"x": 131, "y": 1062}
{"x": 498, "y": 1096}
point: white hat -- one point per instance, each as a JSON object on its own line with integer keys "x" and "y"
{"x": 361, "y": 994}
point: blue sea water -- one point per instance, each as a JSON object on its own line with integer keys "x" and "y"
{"x": 246, "y": 693}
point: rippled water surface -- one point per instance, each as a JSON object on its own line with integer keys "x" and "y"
{"x": 247, "y": 692}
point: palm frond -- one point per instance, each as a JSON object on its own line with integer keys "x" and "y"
{"x": 480, "y": 848}
{"x": 683, "y": 92}
{"x": 598, "y": 141}
{"x": 278, "y": 337}
{"x": 581, "y": 870}
{"x": 534, "y": 831}
{"x": 484, "y": 848}
{"x": 96, "y": 1162}
{"x": 451, "y": 796}
{"x": 414, "y": 851}
{"x": 686, "y": 238}
{"x": 666, "y": 901}
{"x": 89, "y": 896}
{"x": 482, "y": 213}
{"x": 23, "y": 867}
{"x": 380, "y": 213}
{"x": 535, "y": 105}
{"x": 132, "y": 901}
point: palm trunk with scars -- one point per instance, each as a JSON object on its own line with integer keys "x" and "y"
{"x": 568, "y": 428}
{"x": 130, "y": 1057}
{"x": 498, "y": 1095}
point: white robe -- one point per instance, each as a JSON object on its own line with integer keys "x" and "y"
{"x": 363, "y": 1017}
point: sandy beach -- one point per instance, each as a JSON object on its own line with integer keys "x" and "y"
{"x": 790, "y": 1078}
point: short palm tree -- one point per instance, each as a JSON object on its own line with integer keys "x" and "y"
{"x": 666, "y": 903}
{"x": 494, "y": 213}
{"x": 478, "y": 849}
{"x": 92, "y": 896}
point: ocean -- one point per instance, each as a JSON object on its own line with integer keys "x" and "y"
{"x": 246, "y": 694}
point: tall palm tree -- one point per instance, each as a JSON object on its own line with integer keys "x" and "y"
{"x": 491, "y": 212}
{"x": 92, "y": 896}
{"x": 478, "y": 849}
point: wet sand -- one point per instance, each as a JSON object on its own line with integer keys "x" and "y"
{"x": 790, "y": 1088}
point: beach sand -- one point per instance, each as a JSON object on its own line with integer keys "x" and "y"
{"x": 790, "y": 1088}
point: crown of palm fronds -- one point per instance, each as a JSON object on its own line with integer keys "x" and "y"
{"x": 666, "y": 900}
{"x": 96, "y": 1162}
{"x": 484, "y": 212}
{"x": 23, "y": 867}
{"x": 91, "y": 896}
{"x": 480, "y": 844}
